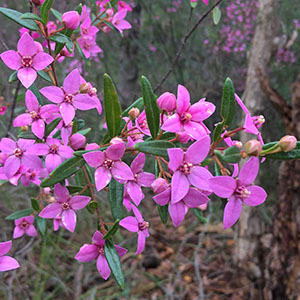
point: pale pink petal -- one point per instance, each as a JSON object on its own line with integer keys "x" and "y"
{"x": 68, "y": 218}
{"x": 201, "y": 110}
{"x": 172, "y": 124}
{"x": 177, "y": 212}
{"x": 103, "y": 267}
{"x": 137, "y": 214}
{"x": 31, "y": 231}
{"x": 241, "y": 104}
{"x": 249, "y": 171}
{"x": 38, "y": 149}
{"x": 29, "y": 219}
{"x": 87, "y": 253}
{"x": 94, "y": 159}
{"x": 18, "y": 232}
{"x": 180, "y": 186}
{"x": 257, "y": 196}
{"x": 5, "y": 247}
{"x": 198, "y": 151}
{"x": 176, "y": 158}
{"x": 53, "y": 93}
{"x": 223, "y": 186}
{"x": 65, "y": 151}
{"x": 200, "y": 178}
{"x": 145, "y": 179}
{"x": 115, "y": 151}
{"x": 52, "y": 161}
{"x": 26, "y": 45}
{"x": 12, "y": 59}
{"x": 195, "y": 130}
{"x": 41, "y": 60}
{"x": 8, "y": 263}
{"x": 121, "y": 251}
{"x": 130, "y": 223}
{"x": 121, "y": 171}
{"x": 135, "y": 192}
{"x": 98, "y": 239}
{"x": 141, "y": 242}
{"x": 11, "y": 166}
{"x": 79, "y": 202}
{"x": 232, "y": 212}
{"x": 67, "y": 111}
{"x": 84, "y": 102}
{"x": 38, "y": 128}
{"x": 7, "y": 145}
{"x": 138, "y": 163}
{"x": 51, "y": 210}
{"x": 61, "y": 193}
{"x": 22, "y": 120}
{"x": 24, "y": 144}
{"x": 183, "y": 99}
{"x": 31, "y": 161}
{"x": 102, "y": 178}
{"x": 250, "y": 126}
{"x": 72, "y": 82}
{"x": 194, "y": 198}
{"x": 27, "y": 76}
{"x": 163, "y": 198}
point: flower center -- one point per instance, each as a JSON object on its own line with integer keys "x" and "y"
{"x": 34, "y": 115}
{"x": 53, "y": 149}
{"x": 26, "y": 61}
{"x": 65, "y": 206}
{"x": 108, "y": 163}
{"x": 24, "y": 224}
{"x": 186, "y": 168}
{"x": 144, "y": 124}
{"x": 258, "y": 120}
{"x": 18, "y": 152}
{"x": 143, "y": 225}
{"x": 86, "y": 46}
{"x": 101, "y": 250}
{"x": 185, "y": 117}
{"x": 242, "y": 192}
{"x": 136, "y": 177}
{"x": 32, "y": 175}
{"x": 85, "y": 31}
{"x": 69, "y": 98}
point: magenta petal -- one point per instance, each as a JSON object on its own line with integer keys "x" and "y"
{"x": 8, "y": 263}
{"x": 102, "y": 178}
{"x": 163, "y": 198}
{"x": 180, "y": 186}
{"x": 195, "y": 130}
{"x": 94, "y": 159}
{"x": 249, "y": 171}
{"x": 121, "y": 172}
{"x": 232, "y": 212}
{"x": 98, "y": 239}
{"x": 72, "y": 82}
{"x": 183, "y": 99}
{"x": 176, "y": 158}
{"x": 32, "y": 161}
{"x": 172, "y": 124}
{"x": 68, "y": 218}
{"x": 145, "y": 179}
{"x": 222, "y": 186}
{"x": 5, "y": 247}
{"x": 115, "y": 151}
{"x": 87, "y": 253}
{"x": 201, "y": 110}
{"x": 18, "y": 232}
{"x": 53, "y": 93}
{"x": 11, "y": 166}
{"x": 38, "y": 149}
{"x": 257, "y": 196}
{"x": 65, "y": 151}
{"x": 198, "y": 151}
{"x": 141, "y": 242}
{"x": 250, "y": 126}
{"x": 31, "y": 231}
{"x": 22, "y": 120}
{"x": 67, "y": 111}
{"x": 79, "y": 202}
{"x": 12, "y": 59}
{"x": 135, "y": 192}
{"x": 7, "y": 145}
{"x": 31, "y": 101}
{"x": 51, "y": 210}
{"x": 137, "y": 214}
{"x": 61, "y": 193}
{"x": 84, "y": 102}
{"x": 177, "y": 213}
{"x": 38, "y": 128}
{"x": 138, "y": 163}
{"x": 103, "y": 267}
{"x": 194, "y": 198}
{"x": 121, "y": 251}
{"x": 130, "y": 223}
{"x": 25, "y": 144}
{"x": 26, "y": 45}
{"x": 27, "y": 76}
{"x": 41, "y": 60}
{"x": 52, "y": 161}
{"x": 200, "y": 178}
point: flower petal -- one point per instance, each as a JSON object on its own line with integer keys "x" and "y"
{"x": 67, "y": 111}
{"x": 103, "y": 267}
{"x": 195, "y": 130}
{"x": 180, "y": 186}
{"x": 102, "y": 178}
{"x": 38, "y": 128}
{"x": 65, "y": 151}
{"x": 177, "y": 212}
{"x": 183, "y": 99}
{"x": 12, "y": 59}
{"x": 72, "y": 82}
{"x": 51, "y": 210}
{"x": 31, "y": 231}
{"x": 26, "y": 45}
{"x": 130, "y": 223}
{"x": 145, "y": 179}
{"x": 61, "y": 193}
{"x": 41, "y": 60}
{"x": 5, "y": 247}
{"x": 201, "y": 110}
{"x": 176, "y": 158}
{"x": 84, "y": 102}
{"x": 7, "y": 145}
{"x": 121, "y": 171}
{"x": 232, "y": 212}
{"x": 8, "y": 263}
{"x": 53, "y": 93}
{"x": 138, "y": 163}
{"x": 222, "y": 186}
{"x": 87, "y": 253}
{"x": 18, "y": 232}
{"x": 11, "y": 166}
{"x": 200, "y": 178}
{"x": 140, "y": 242}
{"x": 94, "y": 159}
{"x": 198, "y": 151}
{"x": 31, "y": 161}
{"x": 195, "y": 198}
{"x": 98, "y": 239}
{"x": 249, "y": 171}
{"x": 115, "y": 151}
{"x": 68, "y": 218}
{"x": 52, "y": 161}
{"x": 121, "y": 251}
{"x": 27, "y": 76}
{"x": 257, "y": 196}
{"x": 163, "y": 198}
{"x": 79, "y": 202}
{"x": 135, "y": 192}
{"x": 172, "y": 124}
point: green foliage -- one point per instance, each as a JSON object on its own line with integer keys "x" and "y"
{"x": 62, "y": 39}
{"x": 163, "y": 213}
{"x": 45, "y": 10}
{"x": 51, "y": 126}
{"x": 116, "y": 191}
{"x": 294, "y": 154}
{"x": 41, "y": 224}
{"x": 198, "y": 213}
{"x": 35, "y": 204}
{"x": 31, "y": 16}
{"x": 112, "y": 230}
{"x": 158, "y": 148}
{"x": 216, "y": 15}
{"x": 230, "y": 155}
{"x": 20, "y": 214}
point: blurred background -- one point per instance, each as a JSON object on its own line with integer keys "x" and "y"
{"x": 256, "y": 44}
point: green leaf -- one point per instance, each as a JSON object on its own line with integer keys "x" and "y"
{"x": 62, "y": 39}
{"x": 20, "y": 214}
{"x": 27, "y": 135}
{"x": 230, "y": 155}
{"x": 35, "y": 204}
{"x": 194, "y": 4}
{"x": 198, "y": 213}
{"x": 79, "y": 8}
{"x": 158, "y": 148}
{"x": 13, "y": 77}
{"x": 294, "y": 154}
{"x": 114, "y": 263}
{"x": 44, "y": 75}
{"x": 116, "y": 191}
{"x": 56, "y": 14}
{"x": 81, "y": 152}
{"x": 45, "y": 10}
{"x": 112, "y": 106}
{"x": 113, "y": 2}
{"x": 139, "y": 103}
{"x": 151, "y": 108}
{"x": 17, "y": 17}
{"x": 31, "y": 16}
{"x": 228, "y": 102}
{"x": 91, "y": 207}
{"x": 51, "y": 126}
{"x": 74, "y": 189}
{"x": 85, "y": 131}
{"x": 41, "y": 224}
{"x": 36, "y": 92}
{"x": 163, "y": 213}
{"x": 218, "y": 131}
{"x": 112, "y": 230}
{"x": 216, "y": 15}
{"x": 60, "y": 46}
{"x": 63, "y": 171}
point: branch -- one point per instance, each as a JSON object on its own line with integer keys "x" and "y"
{"x": 186, "y": 37}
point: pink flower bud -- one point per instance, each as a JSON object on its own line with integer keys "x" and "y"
{"x": 203, "y": 206}
{"x": 47, "y": 191}
{"x": 253, "y": 148}
{"x": 287, "y": 143}
{"x": 92, "y": 146}
{"x": 134, "y": 113}
{"x": 116, "y": 140}
{"x": 71, "y": 19}
{"x": 159, "y": 185}
{"x": 77, "y": 141}
{"x": 167, "y": 102}
{"x": 110, "y": 12}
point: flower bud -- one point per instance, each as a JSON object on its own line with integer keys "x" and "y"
{"x": 203, "y": 206}
{"x": 134, "y": 113}
{"x": 24, "y": 128}
{"x": 47, "y": 191}
{"x": 92, "y": 146}
{"x": 253, "y": 148}
{"x": 109, "y": 12}
{"x": 167, "y": 102}
{"x": 116, "y": 140}
{"x": 71, "y": 19}
{"x": 84, "y": 88}
{"x": 159, "y": 185}
{"x": 37, "y": 2}
{"x": 287, "y": 143}
{"x": 77, "y": 141}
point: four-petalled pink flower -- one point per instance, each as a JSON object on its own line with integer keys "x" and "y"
{"x": 24, "y": 226}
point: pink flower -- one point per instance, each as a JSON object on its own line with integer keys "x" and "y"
{"x": 187, "y": 171}
{"x": 137, "y": 224}
{"x": 27, "y": 60}
{"x": 24, "y": 226}
{"x": 141, "y": 123}
{"x": 108, "y": 164}
{"x": 6, "y": 262}
{"x": 65, "y": 206}
{"x": 2, "y": 109}
{"x": 124, "y": 5}
{"x": 188, "y": 118}
{"x": 68, "y": 97}
{"x": 88, "y": 46}
{"x": 35, "y": 115}
{"x": 35, "y": 35}
{"x": 167, "y": 102}
{"x": 89, "y": 252}
{"x": 87, "y": 29}
{"x": 71, "y": 19}
{"x": 119, "y": 22}
{"x": 18, "y": 154}
{"x": 239, "y": 191}
{"x": 77, "y": 141}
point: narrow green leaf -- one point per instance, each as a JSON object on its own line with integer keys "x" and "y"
{"x": 60, "y": 46}
{"x": 216, "y": 15}
{"x": 85, "y": 131}
{"x": 163, "y": 213}
{"x": 27, "y": 135}
{"x": 112, "y": 106}
{"x": 17, "y": 17}
{"x": 20, "y": 214}
{"x": 51, "y": 126}
{"x": 158, "y": 148}
{"x": 91, "y": 207}
{"x": 44, "y": 75}
{"x": 36, "y": 92}
{"x": 56, "y": 14}
{"x": 74, "y": 189}
{"x": 79, "y": 8}
{"x": 230, "y": 155}
{"x": 63, "y": 39}
{"x": 35, "y": 204}
{"x": 294, "y": 154}
{"x": 228, "y": 102}
{"x": 31, "y": 16}
{"x": 151, "y": 108}
{"x": 112, "y": 230}
{"x": 41, "y": 224}
{"x": 45, "y": 10}
{"x": 116, "y": 191}
{"x": 13, "y": 77}
{"x": 218, "y": 131}
{"x": 198, "y": 213}
{"x": 63, "y": 171}
{"x": 114, "y": 263}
